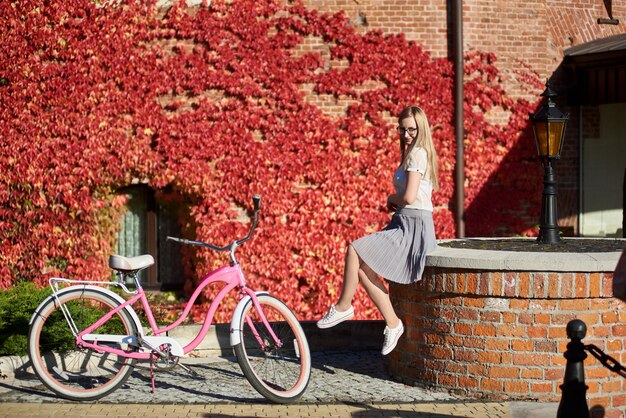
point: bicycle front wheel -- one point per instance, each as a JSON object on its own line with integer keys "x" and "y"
{"x": 71, "y": 371}
{"x": 278, "y": 371}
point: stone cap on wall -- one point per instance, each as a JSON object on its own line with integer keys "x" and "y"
{"x": 475, "y": 259}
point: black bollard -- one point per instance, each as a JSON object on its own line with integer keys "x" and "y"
{"x": 574, "y": 391}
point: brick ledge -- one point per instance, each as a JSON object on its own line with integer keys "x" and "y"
{"x": 520, "y": 261}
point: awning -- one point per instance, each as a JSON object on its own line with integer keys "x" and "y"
{"x": 599, "y": 70}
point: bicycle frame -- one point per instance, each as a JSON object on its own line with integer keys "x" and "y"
{"x": 232, "y": 278}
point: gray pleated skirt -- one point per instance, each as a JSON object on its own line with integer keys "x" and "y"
{"x": 398, "y": 252}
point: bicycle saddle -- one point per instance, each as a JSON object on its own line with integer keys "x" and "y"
{"x": 127, "y": 264}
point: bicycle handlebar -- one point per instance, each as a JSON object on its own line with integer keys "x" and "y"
{"x": 256, "y": 200}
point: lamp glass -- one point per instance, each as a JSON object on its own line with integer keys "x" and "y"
{"x": 549, "y": 137}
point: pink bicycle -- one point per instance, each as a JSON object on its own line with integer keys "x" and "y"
{"x": 84, "y": 339}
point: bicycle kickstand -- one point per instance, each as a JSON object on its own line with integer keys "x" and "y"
{"x": 152, "y": 369}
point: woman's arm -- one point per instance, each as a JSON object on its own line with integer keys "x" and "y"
{"x": 410, "y": 194}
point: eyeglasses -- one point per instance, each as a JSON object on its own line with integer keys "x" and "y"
{"x": 411, "y": 131}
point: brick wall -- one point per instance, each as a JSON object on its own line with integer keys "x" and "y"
{"x": 502, "y": 334}
{"x": 535, "y": 32}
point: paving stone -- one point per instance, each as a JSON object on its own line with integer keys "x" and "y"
{"x": 343, "y": 384}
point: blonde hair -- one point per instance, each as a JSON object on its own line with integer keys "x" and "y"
{"x": 424, "y": 140}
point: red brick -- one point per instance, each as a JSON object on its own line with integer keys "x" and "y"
{"x": 468, "y": 382}
{"x": 607, "y": 285}
{"x": 595, "y": 284}
{"x": 474, "y": 342}
{"x": 589, "y": 318}
{"x": 541, "y": 318}
{"x": 545, "y": 346}
{"x": 434, "y": 364}
{"x": 618, "y": 330}
{"x": 525, "y": 318}
{"x": 450, "y": 283}
{"x": 510, "y": 284}
{"x": 509, "y": 317}
{"x": 441, "y": 326}
{"x": 513, "y": 386}
{"x": 556, "y": 374}
{"x": 602, "y": 331}
{"x": 471, "y": 302}
{"x": 447, "y": 380}
{"x": 439, "y": 282}
{"x": 558, "y": 360}
{"x": 442, "y": 352}
{"x": 567, "y": 285}
{"x": 522, "y": 345}
{"x": 619, "y": 400}
{"x": 554, "y": 286}
{"x": 462, "y": 329}
{"x": 516, "y": 304}
{"x": 574, "y": 304}
{"x": 496, "y": 283}
{"x": 524, "y": 284}
{"x": 531, "y": 373}
{"x": 455, "y": 301}
{"x": 531, "y": 359}
{"x": 539, "y": 285}
{"x": 472, "y": 283}
{"x": 504, "y": 372}
{"x": 541, "y": 387}
{"x": 490, "y": 316}
{"x": 455, "y": 367}
{"x": 537, "y": 332}
{"x": 511, "y": 331}
{"x": 593, "y": 387}
{"x": 557, "y": 332}
{"x": 492, "y": 357}
{"x": 611, "y": 386}
{"x": 467, "y": 314}
{"x": 484, "y": 330}
{"x": 465, "y": 355}
{"x": 460, "y": 278}
{"x": 596, "y": 372}
{"x": 437, "y": 339}
{"x": 477, "y": 369}
{"x": 582, "y": 287}
{"x": 484, "y": 283}
{"x": 614, "y": 345}
{"x": 454, "y": 340}
{"x": 491, "y": 385}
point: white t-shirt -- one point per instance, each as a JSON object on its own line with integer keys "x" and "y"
{"x": 418, "y": 162}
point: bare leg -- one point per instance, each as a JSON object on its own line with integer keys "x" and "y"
{"x": 356, "y": 270}
{"x": 350, "y": 280}
{"x": 377, "y": 291}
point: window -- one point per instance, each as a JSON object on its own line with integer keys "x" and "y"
{"x": 144, "y": 229}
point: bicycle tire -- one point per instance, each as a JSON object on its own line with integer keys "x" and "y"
{"x": 280, "y": 374}
{"x": 72, "y": 372}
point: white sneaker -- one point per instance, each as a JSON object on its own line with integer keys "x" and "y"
{"x": 334, "y": 317}
{"x": 392, "y": 335}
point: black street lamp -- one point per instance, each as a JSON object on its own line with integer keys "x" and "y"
{"x": 549, "y": 129}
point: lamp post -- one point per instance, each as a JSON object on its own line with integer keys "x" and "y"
{"x": 549, "y": 130}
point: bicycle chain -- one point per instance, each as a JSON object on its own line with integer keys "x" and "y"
{"x": 606, "y": 360}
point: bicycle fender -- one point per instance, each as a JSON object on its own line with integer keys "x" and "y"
{"x": 98, "y": 289}
{"x": 235, "y": 332}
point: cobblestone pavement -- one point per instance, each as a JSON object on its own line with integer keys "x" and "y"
{"x": 351, "y": 384}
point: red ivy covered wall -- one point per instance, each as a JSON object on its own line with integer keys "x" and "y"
{"x": 210, "y": 103}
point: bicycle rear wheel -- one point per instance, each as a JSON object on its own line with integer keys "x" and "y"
{"x": 73, "y": 372}
{"x": 279, "y": 372}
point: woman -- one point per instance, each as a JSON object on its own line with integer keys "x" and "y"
{"x": 398, "y": 252}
